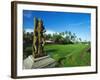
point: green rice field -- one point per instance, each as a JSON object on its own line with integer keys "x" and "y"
{"x": 69, "y": 55}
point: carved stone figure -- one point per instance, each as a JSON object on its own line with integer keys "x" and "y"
{"x": 38, "y": 59}
{"x": 38, "y": 38}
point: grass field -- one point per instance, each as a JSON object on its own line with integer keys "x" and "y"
{"x": 69, "y": 55}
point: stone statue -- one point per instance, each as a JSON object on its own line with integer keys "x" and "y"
{"x": 38, "y": 59}
{"x": 38, "y": 38}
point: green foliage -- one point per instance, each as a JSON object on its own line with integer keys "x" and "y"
{"x": 27, "y": 51}
{"x": 27, "y": 37}
{"x": 66, "y": 37}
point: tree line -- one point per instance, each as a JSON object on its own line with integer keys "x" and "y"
{"x": 66, "y": 37}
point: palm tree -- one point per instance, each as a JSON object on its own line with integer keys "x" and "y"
{"x": 74, "y": 37}
{"x": 80, "y": 39}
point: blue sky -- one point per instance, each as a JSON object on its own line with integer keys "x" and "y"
{"x": 78, "y": 23}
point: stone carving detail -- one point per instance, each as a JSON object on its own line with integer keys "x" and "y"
{"x": 38, "y": 38}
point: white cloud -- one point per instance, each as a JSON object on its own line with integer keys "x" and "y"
{"x": 47, "y": 31}
{"x": 50, "y": 32}
{"x": 28, "y": 14}
{"x": 29, "y": 30}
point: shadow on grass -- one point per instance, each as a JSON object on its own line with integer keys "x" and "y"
{"x": 51, "y": 51}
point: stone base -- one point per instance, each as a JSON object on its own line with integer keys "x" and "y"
{"x": 28, "y": 62}
{"x": 42, "y": 62}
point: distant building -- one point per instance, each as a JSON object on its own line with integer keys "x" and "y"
{"x": 49, "y": 41}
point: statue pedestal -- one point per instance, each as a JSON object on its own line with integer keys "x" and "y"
{"x": 42, "y": 62}
{"x": 28, "y": 62}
